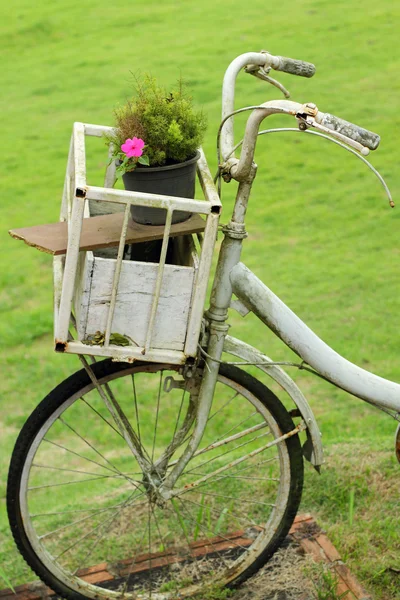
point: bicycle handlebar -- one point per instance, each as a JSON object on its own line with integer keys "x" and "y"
{"x": 292, "y": 66}
{"x": 350, "y": 130}
{"x": 307, "y": 113}
{"x": 254, "y": 60}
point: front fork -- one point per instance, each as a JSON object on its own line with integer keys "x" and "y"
{"x": 216, "y": 315}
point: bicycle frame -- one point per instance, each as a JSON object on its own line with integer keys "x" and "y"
{"x": 311, "y": 349}
{"x": 232, "y": 277}
{"x": 256, "y": 296}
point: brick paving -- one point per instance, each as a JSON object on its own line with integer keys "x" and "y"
{"x": 304, "y": 532}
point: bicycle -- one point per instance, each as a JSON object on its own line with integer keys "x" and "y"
{"x": 196, "y": 482}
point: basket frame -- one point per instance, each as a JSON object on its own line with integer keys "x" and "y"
{"x": 75, "y": 207}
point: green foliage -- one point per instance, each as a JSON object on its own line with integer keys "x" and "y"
{"x": 214, "y": 593}
{"x": 351, "y": 507}
{"x": 175, "y": 585}
{"x": 167, "y": 122}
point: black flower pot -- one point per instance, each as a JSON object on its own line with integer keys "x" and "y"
{"x": 171, "y": 180}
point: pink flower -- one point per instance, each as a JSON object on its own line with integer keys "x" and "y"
{"x": 133, "y": 147}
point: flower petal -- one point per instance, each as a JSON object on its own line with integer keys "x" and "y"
{"x": 128, "y": 147}
{"x": 137, "y": 146}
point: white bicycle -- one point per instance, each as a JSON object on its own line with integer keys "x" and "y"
{"x": 163, "y": 477}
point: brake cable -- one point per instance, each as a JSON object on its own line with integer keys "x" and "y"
{"x": 322, "y": 135}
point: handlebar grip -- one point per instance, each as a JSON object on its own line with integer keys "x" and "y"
{"x": 358, "y": 134}
{"x": 293, "y": 66}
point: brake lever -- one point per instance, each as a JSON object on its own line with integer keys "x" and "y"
{"x": 262, "y": 73}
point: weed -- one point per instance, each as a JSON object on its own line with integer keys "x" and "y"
{"x": 214, "y": 593}
{"x": 351, "y": 506}
{"x": 169, "y": 586}
{"x": 221, "y": 520}
{"x": 199, "y": 519}
{"x": 4, "y": 577}
{"x": 324, "y": 582}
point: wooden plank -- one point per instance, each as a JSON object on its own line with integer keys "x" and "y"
{"x": 100, "y": 232}
{"x": 134, "y": 301}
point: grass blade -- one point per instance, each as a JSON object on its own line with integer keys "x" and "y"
{"x": 199, "y": 519}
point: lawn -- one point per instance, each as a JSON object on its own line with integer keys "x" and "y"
{"x": 321, "y": 233}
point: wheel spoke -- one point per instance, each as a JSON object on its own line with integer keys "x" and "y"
{"x": 102, "y": 418}
{"x": 249, "y": 500}
{"x": 157, "y": 413}
{"x": 82, "y": 472}
{"x": 133, "y": 563}
{"x": 72, "y": 482}
{"x": 180, "y": 436}
{"x": 66, "y": 512}
{"x": 149, "y": 526}
{"x": 229, "y": 451}
{"x": 134, "y": 438}
{"x": 90, "y": 446}
{"x": 89, "y": 533}
{"x": 236, "y": 426}
{"x": 100, "y": 534}
{"x": 222, "y": 408}
{"x": 238, "y": 461}
{"x": 242, "y": 477}
{"x": 136, "y": 409}
{"x": 63, "y": 527}
{"x": 222, "y": 442}
{"x": 259, "y": 463}
{"x": 80, "y": 455}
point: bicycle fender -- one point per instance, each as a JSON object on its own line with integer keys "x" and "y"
{"x": 312, "y": 449}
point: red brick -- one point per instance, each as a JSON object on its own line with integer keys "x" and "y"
{"x": 329, "y": 549}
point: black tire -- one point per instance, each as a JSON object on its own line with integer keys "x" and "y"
{"x": 48, "y": 422}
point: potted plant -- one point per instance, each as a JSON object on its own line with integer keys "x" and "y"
{"x": 156, "y": 141}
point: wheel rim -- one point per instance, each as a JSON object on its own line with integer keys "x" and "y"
{"x": 208, "y": 534}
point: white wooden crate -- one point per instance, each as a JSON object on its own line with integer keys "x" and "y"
{"x": 134, "y": 299}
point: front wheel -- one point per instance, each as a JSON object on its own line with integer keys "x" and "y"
{"x": 85, "y": 510}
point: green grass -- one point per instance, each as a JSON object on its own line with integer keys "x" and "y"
{"x": 320, "y": 230}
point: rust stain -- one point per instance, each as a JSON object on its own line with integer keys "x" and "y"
{"x": 80, "y": 192}
{"x": 60, "y": 346}
{"x": 397, "y": 443}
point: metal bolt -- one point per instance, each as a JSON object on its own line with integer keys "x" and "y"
{"x": 311, "y": 109}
